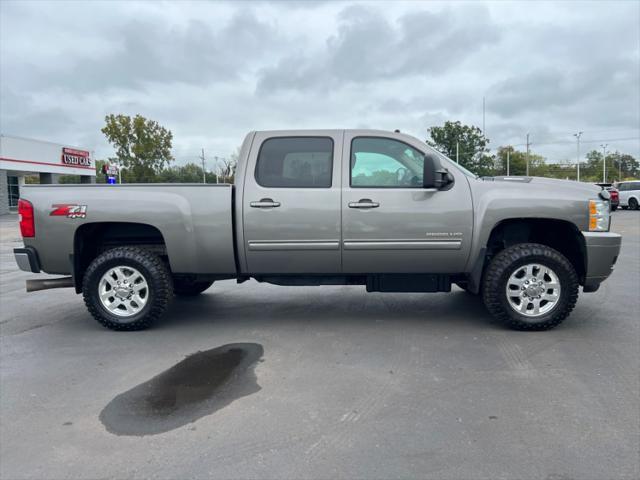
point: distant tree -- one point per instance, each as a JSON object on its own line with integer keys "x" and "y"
{"x": 471, "y": 146}
{"x": 616, "y": 163}
{"x": 143, "y": 146}
{"x": 623, "y": 163}
{"x": 65, "y": 179}
{"x": 518, "y": 162}
{"x": 229, "y": 165}
{"x": 189, "y": 173}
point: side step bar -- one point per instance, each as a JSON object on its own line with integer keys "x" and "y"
{"x": 45, "y": 284}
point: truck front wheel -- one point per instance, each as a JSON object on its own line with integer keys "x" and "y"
{"x": 530, "y": 286}
{"x": 127, "y": 288}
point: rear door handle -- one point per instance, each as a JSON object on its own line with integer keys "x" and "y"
{"x": 364, "y": 203}
{"x": 264, "y": 203}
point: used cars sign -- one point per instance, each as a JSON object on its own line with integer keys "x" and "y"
{"x": 71, "y": 156}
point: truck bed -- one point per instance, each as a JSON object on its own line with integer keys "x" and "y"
{"x": 195, "y": 221}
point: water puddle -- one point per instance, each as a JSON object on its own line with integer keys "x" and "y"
{"x": 199, "y": 385}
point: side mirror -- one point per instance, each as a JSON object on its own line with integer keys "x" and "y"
{"x": 433, "y": 174}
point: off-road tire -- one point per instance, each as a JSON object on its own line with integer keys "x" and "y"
{"x": 148, "y": 264}
{"x": 189, "y": 288}
{"x": 633, "y": 204}
{"x": 506, "y": 262}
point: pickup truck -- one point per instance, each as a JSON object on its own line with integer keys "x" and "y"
{"x": 324, "y": 207}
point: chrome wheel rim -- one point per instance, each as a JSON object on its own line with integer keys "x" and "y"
{"x": 533, "y": 290}
{"x": 123, "y": 291}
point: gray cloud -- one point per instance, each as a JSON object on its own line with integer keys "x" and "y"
{"x": 368, "y": 47}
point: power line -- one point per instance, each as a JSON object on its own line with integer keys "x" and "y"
{"x": 568, "y": 142}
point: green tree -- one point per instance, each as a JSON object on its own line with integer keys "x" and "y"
{"x": 518, "y": 162}
{"x": 468, "y": 141}
{"x": 622, "y": 166}
{"x": 617, "y": 163}
{"x": 143, "y": 146}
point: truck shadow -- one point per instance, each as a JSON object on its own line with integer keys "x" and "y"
{"x": 310, "y": 305}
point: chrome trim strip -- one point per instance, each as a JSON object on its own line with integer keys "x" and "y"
{"x": 257, "y": 246}
{"x": 403, "y": 245}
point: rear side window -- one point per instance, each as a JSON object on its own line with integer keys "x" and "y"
{"x": 295, "y": 162}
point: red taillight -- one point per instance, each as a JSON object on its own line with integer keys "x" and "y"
{"x": 27, "y": 224}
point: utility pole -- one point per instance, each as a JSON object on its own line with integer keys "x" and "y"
{"x": 457, "y": 152}
{"x": 604, "y": 163}
{"x": 204, "y": 173}
{"x": 216, "y": 169}
{"x": 619, "y": 168}
{"x": 508, "y": 153}
{"x": 483, "y": 117}
{"x": 528, "y": 145}
{"x": 578, "y": 135}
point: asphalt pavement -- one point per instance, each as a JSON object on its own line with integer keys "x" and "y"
{"x": 320, "y": 382}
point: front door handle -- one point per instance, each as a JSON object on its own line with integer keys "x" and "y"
{"x": 264, "y": 203}
{"x": 364, "y": 203}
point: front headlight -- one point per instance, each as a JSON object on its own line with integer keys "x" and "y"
{"x": 599, "y": 215}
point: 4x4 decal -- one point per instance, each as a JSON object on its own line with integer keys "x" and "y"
{"x": 69, "y": 210}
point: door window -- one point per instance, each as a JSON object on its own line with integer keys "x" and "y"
{"x": 295, "y": 162}
{"x": 385, "y": 163}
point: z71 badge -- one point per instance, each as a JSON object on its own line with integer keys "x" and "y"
{"x": 69, "y": 210}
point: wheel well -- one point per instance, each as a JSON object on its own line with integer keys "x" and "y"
{"x": 91, "y": 239}
{"x": 560, "y": 235}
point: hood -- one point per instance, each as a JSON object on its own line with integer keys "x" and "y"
{"x": 571, "y": 185}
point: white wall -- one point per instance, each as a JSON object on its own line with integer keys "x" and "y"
{"x": 29, "y": 155}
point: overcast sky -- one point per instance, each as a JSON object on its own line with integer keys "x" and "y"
{"x": 210, "y": 72}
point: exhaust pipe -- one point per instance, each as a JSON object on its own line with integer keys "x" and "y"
{"x": 46, "y": 283}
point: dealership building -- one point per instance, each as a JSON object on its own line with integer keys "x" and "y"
{"x": 45, "y": 161}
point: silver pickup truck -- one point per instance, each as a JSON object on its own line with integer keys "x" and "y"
{"x": 324, "y": 207}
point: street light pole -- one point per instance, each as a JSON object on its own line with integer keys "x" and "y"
{"x": 528, "y": 144}
{"x": 604, "y": 163}
{"x": 578, "y": 135}
{"x": 204, "y": 172}
{"x": 508, "y": 153}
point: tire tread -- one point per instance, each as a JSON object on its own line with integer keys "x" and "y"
{"x": 160, "y": 278}
{"x": 492, "y": 287}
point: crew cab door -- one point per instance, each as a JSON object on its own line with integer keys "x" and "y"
{"x": 291, "y": 203}
{"x": 390, "y": 223}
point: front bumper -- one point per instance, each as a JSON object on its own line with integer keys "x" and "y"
{"x": 602, "y": 250}
{"x": 27, "y": 259}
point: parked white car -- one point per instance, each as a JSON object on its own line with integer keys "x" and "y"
{"x": 629, "y": 194}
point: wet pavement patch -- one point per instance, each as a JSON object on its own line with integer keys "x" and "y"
{"x": 199, "y": 385}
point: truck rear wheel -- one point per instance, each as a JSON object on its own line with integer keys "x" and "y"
{"x": 127, "y": 288}
{"x": 530, "y": 286}
{"x": 186, "y": 287}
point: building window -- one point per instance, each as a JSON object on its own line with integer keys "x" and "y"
{"x": 14, "y": 191}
